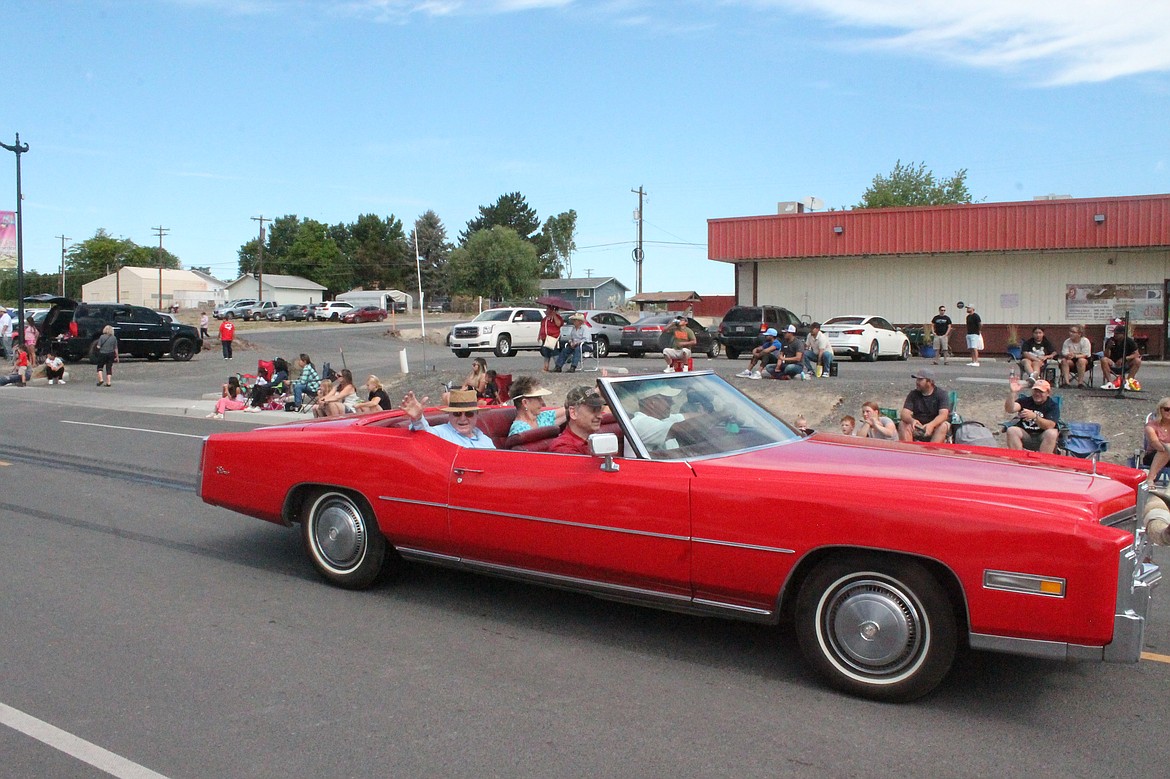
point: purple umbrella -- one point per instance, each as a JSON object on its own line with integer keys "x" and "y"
{"x": 555, "y": 302}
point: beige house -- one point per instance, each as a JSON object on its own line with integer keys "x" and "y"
{"x": 285, "y": 290}
{"x": 151, "y": 287}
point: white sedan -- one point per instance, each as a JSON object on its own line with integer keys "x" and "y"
{"x": 870, "y": 337}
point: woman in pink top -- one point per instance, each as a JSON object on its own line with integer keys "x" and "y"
{"x": 1158, "y": 441}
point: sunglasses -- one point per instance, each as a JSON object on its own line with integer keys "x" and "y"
{"x": 1164, "y": 408}
{"x": 463, "y": 413}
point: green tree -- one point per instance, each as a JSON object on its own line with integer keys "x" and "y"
{"x": 560, "y": 232}
{"x": 103, "y": 254}
{"x": 509, "y": 210}
{"x": 434, "y": 253}
{"x": 914, "y": 185}
{"x": 495, "y": 263}
{"x": 376, "y": 251}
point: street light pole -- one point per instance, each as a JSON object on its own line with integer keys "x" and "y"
{"x": 19, "y": 149}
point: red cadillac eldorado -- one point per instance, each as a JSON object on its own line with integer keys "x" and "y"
{"x": 696, "y": 499}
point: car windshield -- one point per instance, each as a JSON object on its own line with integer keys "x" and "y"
{"x": 494, "y": 315}
{"x": 690, "y": 415}
{"x": 846, "y": 320}
{"x": 744, "y": 314}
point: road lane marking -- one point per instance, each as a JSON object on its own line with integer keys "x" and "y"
{"x": 74, "y": 746}
{"x": 133, "y": 429}
{"x": 1156, "y": 658}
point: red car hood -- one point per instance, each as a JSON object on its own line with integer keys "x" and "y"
{"x": 912, "y": 473}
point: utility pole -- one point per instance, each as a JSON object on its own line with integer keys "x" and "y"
{"x": 639, "y": 255}
{"x": 260, "y": 262}
{"x": 161, "y": 231}
{"x": 18, "y": 149}
{"x": 63, "y": 240}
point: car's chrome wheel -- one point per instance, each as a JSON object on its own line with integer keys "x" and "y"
{"x": 878, "y": 628}
{"x": 504, "y": 346}
{"x": 601, "y": 346}
{"x": 873, "y": 352}
{"x": 343, "y": 541}
{"x": 905, "y": 355}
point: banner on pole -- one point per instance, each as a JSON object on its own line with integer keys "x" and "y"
{"x": 7, "y": 240}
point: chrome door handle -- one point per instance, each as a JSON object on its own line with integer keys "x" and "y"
{"x": 460, "y": 471}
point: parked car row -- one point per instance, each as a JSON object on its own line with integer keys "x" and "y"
{"x": 72, "y": 329}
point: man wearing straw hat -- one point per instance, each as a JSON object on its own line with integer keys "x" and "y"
{"x": 576, "y": 338}
{"x": 461, "y": 430}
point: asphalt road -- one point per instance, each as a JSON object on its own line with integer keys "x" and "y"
{"x": 189, "y": 641}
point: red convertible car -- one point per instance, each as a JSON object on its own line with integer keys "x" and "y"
{"x": 696, "y": 499}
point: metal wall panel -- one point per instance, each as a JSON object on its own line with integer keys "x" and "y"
{"x": 1128, "y": 222}
{"x": 910, "y": 288}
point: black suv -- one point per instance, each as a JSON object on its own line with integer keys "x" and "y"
{"x": 141, "y": 332}
{"x": 742, "y": 328}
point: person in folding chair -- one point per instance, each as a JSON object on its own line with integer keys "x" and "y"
{"x": 1037, "y": 421}
{"x": 1157, "y": 455}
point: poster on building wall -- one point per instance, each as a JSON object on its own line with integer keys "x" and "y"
{"x": 7, "y": 240}
{"x": 1102, "y": 302}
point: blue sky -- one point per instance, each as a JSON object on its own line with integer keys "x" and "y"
{"x": 197, "y": 115}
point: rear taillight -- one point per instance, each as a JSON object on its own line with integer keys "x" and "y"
{"x": 629, "y": 329}
{"x": 853, "y": 332}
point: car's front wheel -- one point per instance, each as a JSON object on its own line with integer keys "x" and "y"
{"x": 283, "y": 318}
{"x": 876, "y": 627}
{"x": 182, "y": 350}
{"x": 504, "y": 346}
{"x": 714, "y": 349}
{"x": 732, "y": 354}
{"x": 462, "y": 353}
{"x": 343, "y": 540}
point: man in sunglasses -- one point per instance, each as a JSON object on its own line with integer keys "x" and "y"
{"x": 461, "y": 430}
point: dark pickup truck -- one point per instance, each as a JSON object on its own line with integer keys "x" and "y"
{"x": 71, "y": 328}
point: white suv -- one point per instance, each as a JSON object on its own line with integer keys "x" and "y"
{"x": 334, "y": 310}
{"x": 502, "y": 330}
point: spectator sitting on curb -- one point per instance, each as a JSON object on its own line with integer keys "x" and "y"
{"x": 762, "y": 356}
{"x": 926, "y": 412}
{"x": 790, "y": 361}
{"x": 1036, "y": 425}
{"x": 1157, "y": 455}
{"x": 818, "y": 353}
{"x": 874, "y": 424}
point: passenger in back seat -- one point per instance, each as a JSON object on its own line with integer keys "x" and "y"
{"x": 584, "y": 407}
{"x": 529, "y": 397}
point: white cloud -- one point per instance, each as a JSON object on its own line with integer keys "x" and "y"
{"x": 1063, "y": 41}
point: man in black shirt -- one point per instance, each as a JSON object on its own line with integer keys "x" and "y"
{"x": 926, "y": 413}
{"x": 1123, "y": 356}
{"x": 974, "y": 335}
{"x": 941, "y": 326}
{"x": 1036, "y": 426}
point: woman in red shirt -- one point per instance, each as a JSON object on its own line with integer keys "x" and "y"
{"x": 550, "y": 327}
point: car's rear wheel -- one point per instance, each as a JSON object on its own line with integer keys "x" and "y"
{"x": 283, "y": 318}
{"x": 343, "y": 540}
{"x": 601, "y": 346}
{"x": 877, "y": 627}
{"x": 714, "y": 349}
{"x": 335, "y": 316}
{"x": 462, "y": 353}
{"x": 732, "y": 354}
{"x": 182, "y": 350}
{"x": 503, "y": 346}
{"x": 873, "y": 352}
{"x": 636, "y": 354}
{"x": 905, "y": 355}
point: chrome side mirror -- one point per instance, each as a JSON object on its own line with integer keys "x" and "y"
{"x": 605, "y": 445}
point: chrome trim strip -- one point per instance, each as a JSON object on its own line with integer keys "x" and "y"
{"x": 589, "y": 526}
{"x": 567, "y": 523}
{"x": 1028, "y": 647}
{"x": 720, "y": 605}
{"x": 429, "y": 503}
{"x": 776, "y": 549}
{"x": 621, "y": 592}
